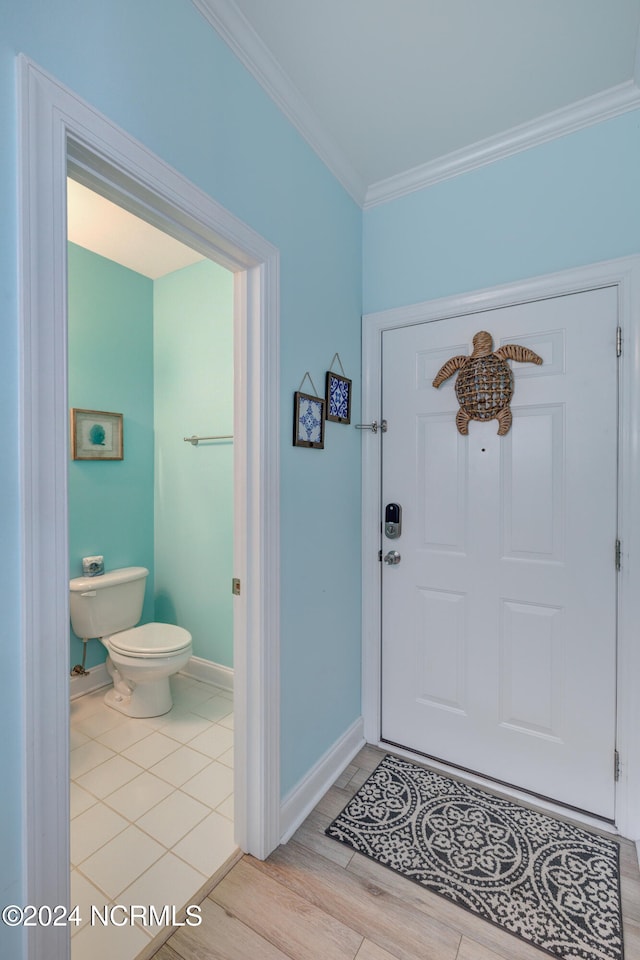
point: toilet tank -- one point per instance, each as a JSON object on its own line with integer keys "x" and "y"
{"x": 100, "y": 606}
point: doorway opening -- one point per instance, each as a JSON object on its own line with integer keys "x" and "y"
{"x": 624, "y": 276}
{"x": 63, "y": 136}
{"x": 150, "y": 334}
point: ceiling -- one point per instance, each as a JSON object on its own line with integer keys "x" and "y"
{"x": 103, "y": 227}
{"x": 396, "y": 94}
{"x": 390, "y": 92}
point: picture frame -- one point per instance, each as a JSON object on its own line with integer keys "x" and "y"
{"x": 309, "y": 414}
{"x": 96, "y": 435}
{"x": 338, "y": 398}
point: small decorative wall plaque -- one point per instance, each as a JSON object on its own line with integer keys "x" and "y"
{"x": 308, "y": 418}
{"x": 338, "y": 394}
{"x": 484, "y": 386}
{"x": 96, "y": 435}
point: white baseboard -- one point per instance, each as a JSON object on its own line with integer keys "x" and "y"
{"x": 300, "y": 801}
{"x": 96, "y": 677}
{"x": 209, "y": 672}
{"x": 197, "y": 668}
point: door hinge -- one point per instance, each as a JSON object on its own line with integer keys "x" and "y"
{"x": 616, "y": 765}
{"x": 380, "y": 555}
{"x": 618, "y": 555}
{"x": 235, "y": 586}
{"x": 618, "y": 341}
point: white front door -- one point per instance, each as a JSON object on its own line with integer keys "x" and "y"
{"x": 499, "y": 620}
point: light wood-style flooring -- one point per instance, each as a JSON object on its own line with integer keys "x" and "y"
{"x": 314, "y": 899}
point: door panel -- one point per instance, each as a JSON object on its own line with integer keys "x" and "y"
{"x": 531, "y": 657}
{"x": 532, "y": 488}
{"x": 499, "y": 642}
{"x": 442, "y": 469}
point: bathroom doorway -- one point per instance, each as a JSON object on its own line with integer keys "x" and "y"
{"x": 150, "y": 334}
{"x": 62, "y": 136}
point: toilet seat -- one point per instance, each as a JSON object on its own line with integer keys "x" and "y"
{"x": 150, "y": 640}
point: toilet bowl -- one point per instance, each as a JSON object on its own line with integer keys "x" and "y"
{"x": 140, "y": 658}
{"x": 140, "y": 662}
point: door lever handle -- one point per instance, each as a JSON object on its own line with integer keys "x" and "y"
{"x": 392, "y": 557}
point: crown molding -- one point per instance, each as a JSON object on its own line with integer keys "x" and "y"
{"x": 234, "y": 28}
{"x": 584, "y": 113}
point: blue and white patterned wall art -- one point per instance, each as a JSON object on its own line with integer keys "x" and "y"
{"x": 338, "y": 393}
{"x": 308, "y": 421}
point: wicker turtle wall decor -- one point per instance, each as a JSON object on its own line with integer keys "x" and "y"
{"x": 484, "y": 386}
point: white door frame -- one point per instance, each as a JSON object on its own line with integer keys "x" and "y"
{"x": 625, "y": 275}
{"x": 60, "y": 132}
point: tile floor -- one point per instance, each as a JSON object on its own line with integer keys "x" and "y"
{"x": 151, "y": 809}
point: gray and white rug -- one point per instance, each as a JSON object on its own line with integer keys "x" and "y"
{"x": 548, "y": 882}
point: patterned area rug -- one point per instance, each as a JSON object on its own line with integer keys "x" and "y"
{"x": 548, "y": 882}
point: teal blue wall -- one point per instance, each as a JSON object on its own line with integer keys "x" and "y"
{"x": 111, "y": 368}
{"x": 161, "y": 353}
{"x": 193, "y": 386}
{"x": 161, "y": 73}
{"x": 569, "y": 202}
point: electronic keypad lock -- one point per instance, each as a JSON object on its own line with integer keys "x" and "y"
{"x": 392, "y": 521}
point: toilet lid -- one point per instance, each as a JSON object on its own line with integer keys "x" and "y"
{"x": 150, "y": 640}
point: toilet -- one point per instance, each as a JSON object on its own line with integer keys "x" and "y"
{"x": 141, "y": 659}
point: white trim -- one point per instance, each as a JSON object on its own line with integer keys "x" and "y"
{"x": 625, "y": 275}
{"x": 300, "y": 801}
{"x": 55, "y": 127}
{"x": 234, "y": 28}
{"x": 209, "y": 672}
{"x": 96, "y": 678}
{"x": 236, "y": 31}
{"x": 601, "y": 106}
{"x": 198, "y": 669}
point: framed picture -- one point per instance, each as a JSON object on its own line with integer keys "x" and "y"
{"x": 338, "y": 392}
{"x": 96, "y": 435}
{"x": 308, "y": 420}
